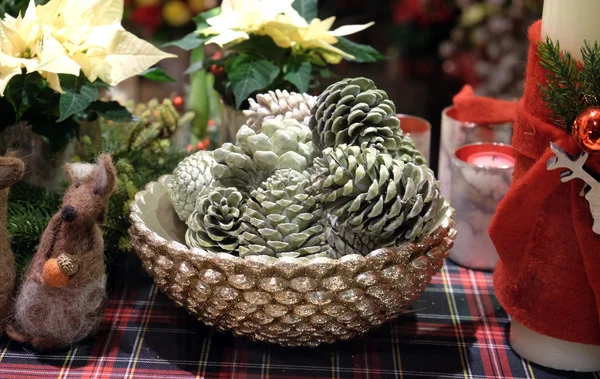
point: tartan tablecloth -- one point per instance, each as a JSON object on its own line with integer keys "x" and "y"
{"x": 456, "y": 329}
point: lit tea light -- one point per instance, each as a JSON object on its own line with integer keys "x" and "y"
{"x": 481, "y": 176}
{"x": 491, "y": 159}
{"x": 490, "y": 155}
{"x": 456, "y": 133}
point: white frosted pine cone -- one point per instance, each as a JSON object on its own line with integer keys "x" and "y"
{"x": 279, "y": 105}
{"x": 191, "y": 179}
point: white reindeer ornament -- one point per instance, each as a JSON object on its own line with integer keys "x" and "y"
{"x": 575, "y": 170}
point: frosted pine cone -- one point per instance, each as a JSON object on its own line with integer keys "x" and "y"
{"x": 283, "y": 219}
{"x": 279, "y": 105}
{"x": 255, "y": 156}
{"x": 355, "y": 112}
{"x": 375, "y": 195}
{"x": 215, "y": 224}
{"x": 345, "y": 241}
{"x": 408, "y": 152}
{"x": 191, "y": 179}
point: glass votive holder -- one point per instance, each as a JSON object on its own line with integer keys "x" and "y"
{"x": 455, "y": 133}
{"x": 481, "y": 176}
{"x": 419, "y": 130}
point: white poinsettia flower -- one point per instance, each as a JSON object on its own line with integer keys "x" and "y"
{"x": 238, "y": 18}
{"x": 92, "y": 34}
{"x": 69, "y": 36}
{"x": 278, "y": 20}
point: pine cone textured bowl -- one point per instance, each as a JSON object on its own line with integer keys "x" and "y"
{"x": 287, "y": 301}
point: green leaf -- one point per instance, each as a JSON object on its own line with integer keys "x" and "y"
{"x": 250, "y": 76}
{"x": 189, "y": 42}
{"x": 156, "y": 74}
{"x": 315, "y": 59}
{"x": 23, "y": 90}
{"x": 194, "y": 67}
{"x": 101, "y": 84}
{"x": 301, "y": 77}
{"x": 56, "y": 135}
{"x": 325, "y": 73}
{"x": 307, "y": 8}
{"x": 362, "y": 53}
{"x": 111, "y": 110}
{"x": 200, "y": 19}
{"x": 79, "y": 93}
{"x": 261, "y": 46}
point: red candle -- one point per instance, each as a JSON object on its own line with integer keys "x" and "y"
{"x": 488, "y": 155}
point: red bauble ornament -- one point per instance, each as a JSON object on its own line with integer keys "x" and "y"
{"x": 586, "y": 130}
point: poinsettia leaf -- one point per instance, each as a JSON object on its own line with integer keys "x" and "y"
{"x": 23, "y": 90}
{"x": 201, "y": 18}
{"x": 237, "y": 60}
{"x": 188, "y": 42}
{"x": 79, "y": 94}
{"x": 111, "y": 110}
{"x": 308, "y": 9}
{"x": 315, "y": 59}
{"x": 260, "y": 46}
{"x": 300, "y": 77}
{"x": 156, "y": 74}
{"x": 247, "y": 76}
{"x": 99, "y": 83}
{"x": 56, "y": 135}
{"x": 361, "y": 53}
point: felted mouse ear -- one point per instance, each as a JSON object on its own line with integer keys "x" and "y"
{"x": 106, "y": 175}
{"x": 76, "y": 172}
{"x": 11, "y": 171}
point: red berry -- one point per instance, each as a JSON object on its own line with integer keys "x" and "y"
{"x": 178, "y": 101}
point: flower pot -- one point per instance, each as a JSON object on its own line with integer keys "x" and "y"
{"x": 232, "y": 120}
{"x": 287, "y": 301}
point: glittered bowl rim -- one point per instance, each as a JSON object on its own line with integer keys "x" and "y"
{"x": 433, "y": 239}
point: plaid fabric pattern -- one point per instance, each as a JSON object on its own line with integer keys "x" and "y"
{"x": 456, "y": 329}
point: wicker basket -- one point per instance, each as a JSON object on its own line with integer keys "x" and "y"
{"x": 287, "y": 301}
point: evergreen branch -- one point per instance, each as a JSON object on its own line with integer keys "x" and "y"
{"x": 561, "y": 93}
{"x": 590, "y": 74}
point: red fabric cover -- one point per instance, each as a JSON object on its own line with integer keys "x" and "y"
{"x": 548, "y": 278}
{"x": 482, "y": 110}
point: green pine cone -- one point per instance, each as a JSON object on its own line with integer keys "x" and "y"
{"x": 355, "y": 112}
{"x": 281, "y": 144}
{"x": 284, "y": 219}
{"x": 376, "y": 195}
{"x": 216, "y": 222}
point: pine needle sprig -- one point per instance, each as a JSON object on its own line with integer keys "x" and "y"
{"x": 590, "y": 73}
{"x": 561, "y": 92}
{"x": 571, "y": 86}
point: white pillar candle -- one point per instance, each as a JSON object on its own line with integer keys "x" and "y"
{"x": 571, "y": 22}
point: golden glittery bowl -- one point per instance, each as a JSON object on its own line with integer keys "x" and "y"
{"x": 287, "y": 301}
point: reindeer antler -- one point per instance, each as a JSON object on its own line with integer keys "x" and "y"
{"x": 574, "y": 165}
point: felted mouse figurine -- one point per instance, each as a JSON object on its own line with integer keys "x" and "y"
{"x": 11, "y": 171}
{"x": 63, "y": 294}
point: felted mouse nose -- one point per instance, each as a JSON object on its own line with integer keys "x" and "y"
{"x": 68, "y": 213}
